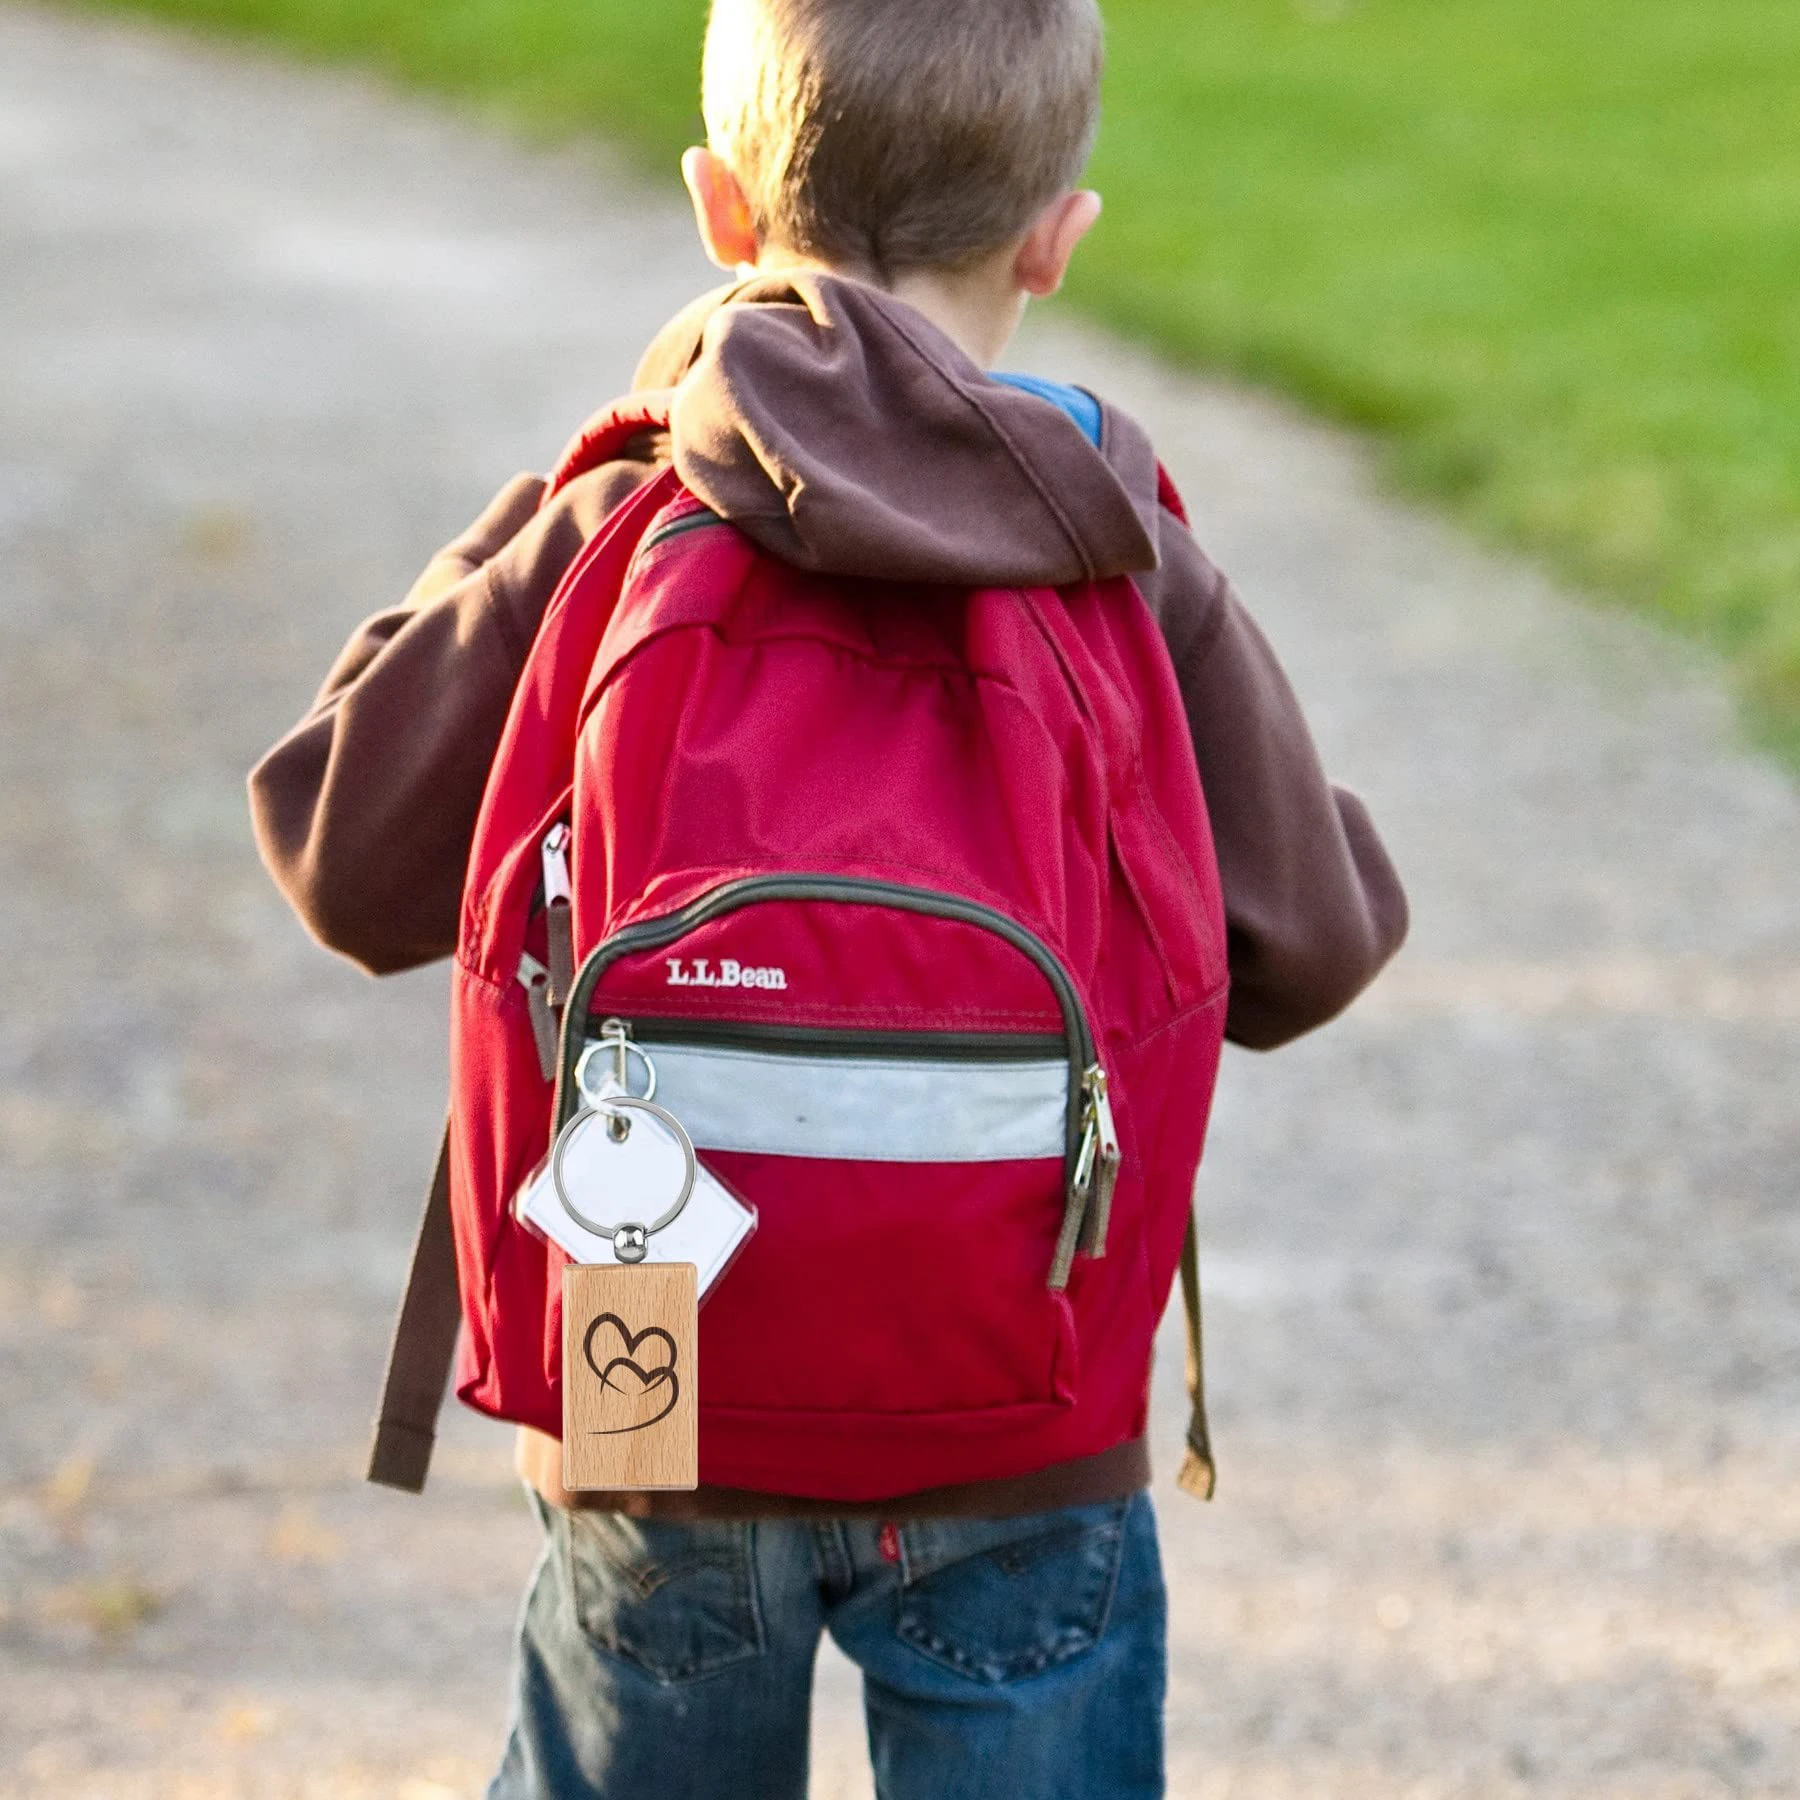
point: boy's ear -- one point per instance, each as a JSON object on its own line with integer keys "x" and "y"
{"x": 720, "y": 209}
{"x": 1043, "y": 258}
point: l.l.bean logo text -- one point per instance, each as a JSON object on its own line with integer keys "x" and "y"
{"x": 698, "y": 971}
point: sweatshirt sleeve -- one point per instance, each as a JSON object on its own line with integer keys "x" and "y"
{"x": 1313, "y": 904}
{"x": 364, "y": 812}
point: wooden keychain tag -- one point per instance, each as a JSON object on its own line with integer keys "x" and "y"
{"x": 631, "y": 1375}
{"x": 631, "y": 1327}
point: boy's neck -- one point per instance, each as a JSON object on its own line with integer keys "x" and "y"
{"x": 978, "y": 308}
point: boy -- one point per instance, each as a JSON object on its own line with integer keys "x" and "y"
{"x": 892, "y": 183}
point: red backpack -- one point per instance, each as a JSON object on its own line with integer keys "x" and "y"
{"x": 911, "y": 893}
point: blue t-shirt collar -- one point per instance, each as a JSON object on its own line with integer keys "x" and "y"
{"x": 1078, "y": 403}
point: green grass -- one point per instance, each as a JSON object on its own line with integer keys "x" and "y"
{"x": 1546, "y": 251}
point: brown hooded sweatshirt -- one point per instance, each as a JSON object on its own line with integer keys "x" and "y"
{"x": 842, "y": 431}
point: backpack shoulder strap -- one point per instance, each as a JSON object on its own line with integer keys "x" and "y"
{"x": 424, "y": 1346}
{"x": 1197, "y": 1475}
{"x": 1167, "y": 495}
{"x": 605, "y": 437}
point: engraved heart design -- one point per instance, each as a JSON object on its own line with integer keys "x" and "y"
{"x": 634, "y": 1393}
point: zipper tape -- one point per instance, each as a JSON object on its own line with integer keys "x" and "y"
{"x": 831, "y": 1041}
{"x": 851, "y": 890}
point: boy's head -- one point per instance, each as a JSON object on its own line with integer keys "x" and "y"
{"x": 888, "y": 138}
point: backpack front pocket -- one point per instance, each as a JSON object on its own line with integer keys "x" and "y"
{"x": 911, "y": 1169}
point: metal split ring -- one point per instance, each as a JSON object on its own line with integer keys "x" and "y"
{"x": 619, "y": 1049}
{"x": 629, "y": 1240}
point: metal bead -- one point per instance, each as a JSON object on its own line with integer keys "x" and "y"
{"x": 630, "y": 1242}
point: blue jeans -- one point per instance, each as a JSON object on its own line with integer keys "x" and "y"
{"x": 1005, "y": 1659}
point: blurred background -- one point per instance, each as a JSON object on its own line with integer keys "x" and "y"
{"x": 1471, "y": 330}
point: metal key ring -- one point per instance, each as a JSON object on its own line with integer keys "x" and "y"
{"x": 625, "y": 1238}
{"x": 611, "y": 1047}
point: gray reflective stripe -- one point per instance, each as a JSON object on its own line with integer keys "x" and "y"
{"x": 864, "y": 1109}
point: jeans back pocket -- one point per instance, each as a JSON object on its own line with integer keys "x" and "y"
{"x": 678, "y": 1600}
{"x": 998, "y": 1599}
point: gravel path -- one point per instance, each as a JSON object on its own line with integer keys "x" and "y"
{"x": 1502, "y": 1280}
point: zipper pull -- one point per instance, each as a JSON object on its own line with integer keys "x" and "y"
{"x": 615, "y": 1037}
{"x": 1102, "y": 1161}
{"x": 558, "y": 918}
{"x": 556, "y": 862}
{"x": 1087, "y": 1207}
{"x": 595, "y": 1082}
{"x": 534, "y": 978}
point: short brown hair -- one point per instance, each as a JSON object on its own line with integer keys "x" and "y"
{"x": 893, "y": 134}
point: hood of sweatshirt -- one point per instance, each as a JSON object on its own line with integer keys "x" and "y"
{"x": 843, "y": 432}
